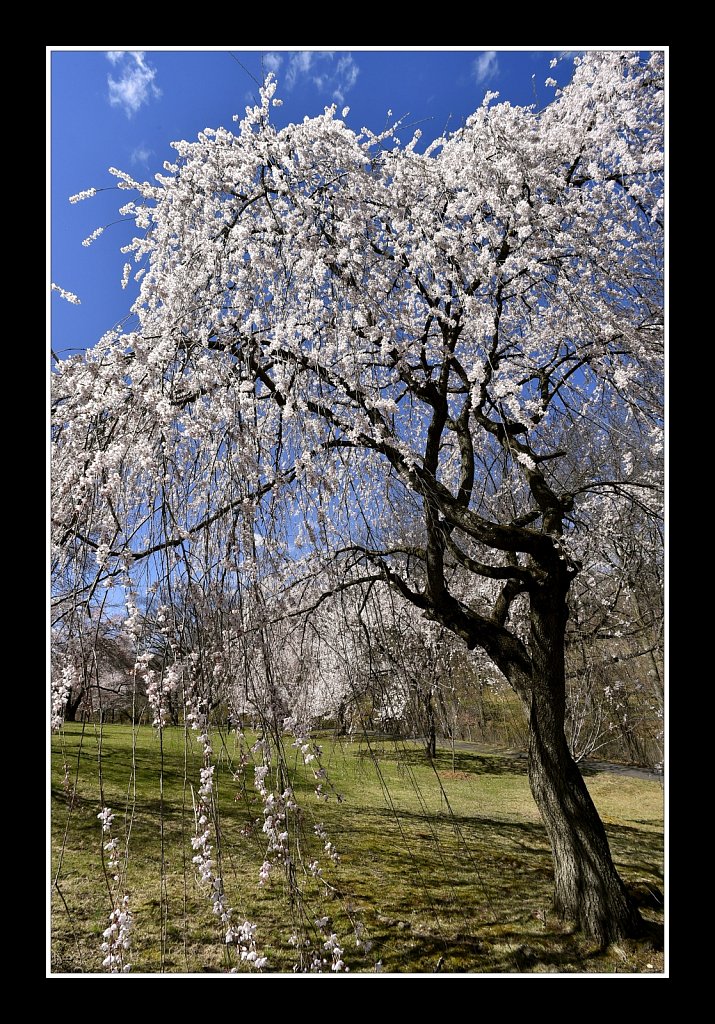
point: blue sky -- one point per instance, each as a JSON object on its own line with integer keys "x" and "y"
{"x": 122, "y": 107}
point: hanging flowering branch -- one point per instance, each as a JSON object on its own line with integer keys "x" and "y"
{"x": 241, "y": 937}
{"x": 117, "y": 936}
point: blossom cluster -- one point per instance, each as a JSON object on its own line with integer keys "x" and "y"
{"x": 64, "y": 294}
{"x": 111, "y": 845}
{"x": 160, "y": 685}
{"x": 276, "y": 807}
{"x": 79, "y": 196}
{"x": 61, "y": 688}
{"x": 117, "y": 936}
{"x": 91, "y": 238}
{"x": 117, "y": 939}
{"x": 328, "y": 847}
{"x": 313, "y": 956}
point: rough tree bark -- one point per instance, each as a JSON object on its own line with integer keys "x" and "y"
{"x": 587, "y": 887}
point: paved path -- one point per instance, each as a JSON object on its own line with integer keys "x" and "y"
{"x": 624, "y": 769}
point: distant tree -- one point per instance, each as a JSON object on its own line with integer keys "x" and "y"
{"x": 335, "y": 331}
{"x": 95, "y": 666}
{"x": 615, "y": 635}
{"x": 405, "y": 661}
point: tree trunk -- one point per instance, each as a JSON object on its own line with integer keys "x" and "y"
{"x": 588, "y": 888}
{"x": 481, "y": 719}
{"x": 72, "y": 705}
{"x": 431, "y": 727}
{"x": 432, "y": 742}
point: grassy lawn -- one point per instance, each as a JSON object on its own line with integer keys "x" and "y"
{"x": 443, "y": 867}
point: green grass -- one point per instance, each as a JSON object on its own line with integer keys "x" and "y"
{"x": 442, "y": 867}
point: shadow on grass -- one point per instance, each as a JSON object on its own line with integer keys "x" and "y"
{"x": 462, "y": 761}
{"x": 446, "y": 820}
{"x": 513, "y": 951}
{"x": 516, "y": 950}
{"x": 471, "y": 955}
{"x": 641, "y": 852}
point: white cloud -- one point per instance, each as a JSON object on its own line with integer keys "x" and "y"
{"x": 272, "y": 61}
{"x": 348, "y": 70}
{"x": 136, "y": 85}
{"x": 140, "y": 155}
{"x": 300, "y": 64}
{"x": 331, "y": 77}
{"x": 486, "y": 66}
